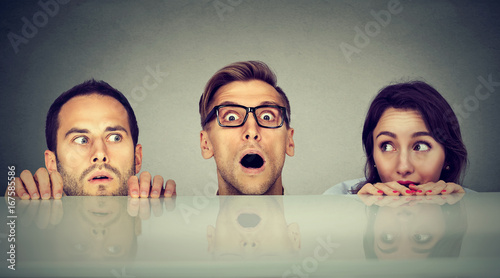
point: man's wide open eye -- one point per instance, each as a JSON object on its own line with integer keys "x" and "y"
{"x": 267, "y": 116}
{"x": 82, "y": 140}
{"x": 115, "y": 138}
{"x": 231, "y": 117}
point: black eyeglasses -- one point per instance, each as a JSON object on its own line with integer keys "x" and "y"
{"x": 268, "y": 116}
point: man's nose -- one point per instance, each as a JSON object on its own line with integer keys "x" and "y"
{"x": 251, "y": 128}
{"x": 100, "y": 152}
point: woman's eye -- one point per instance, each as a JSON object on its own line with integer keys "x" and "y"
{"x": 422, "y": 238}
{"x": 267, "y": 116}
{"x": 231, "y": 117}
{"x": 82, "y": 140}
{"x": 421, "y": 147}
{"x": 115, "y": 138}
{"x": 386, "y": 147}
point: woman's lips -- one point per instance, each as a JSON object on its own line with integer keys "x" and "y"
{"x": 407, "y": 183}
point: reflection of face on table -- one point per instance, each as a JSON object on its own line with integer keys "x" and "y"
{"x": 414, "y": 231}
{"x": 407, "y": 232}
{"x": 249, "y": 227}
{"x": 97, "y": 228}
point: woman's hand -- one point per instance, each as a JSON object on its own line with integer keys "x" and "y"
{"x": 435, "y": 188}
{"x": 393, "y": 188}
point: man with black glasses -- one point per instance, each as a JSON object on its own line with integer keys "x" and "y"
{"x": 245, "y": 118}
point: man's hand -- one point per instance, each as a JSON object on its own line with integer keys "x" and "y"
{"x": 148, "y": 189}
{"x": 41, "y": 185}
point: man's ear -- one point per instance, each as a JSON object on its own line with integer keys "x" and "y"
{"x": 207, "y": 150}
{"x": 290, "y": 145}
{"x": 50, "y": 161}
{"x": 138, "y": 158}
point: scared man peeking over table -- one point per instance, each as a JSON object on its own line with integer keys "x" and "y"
{"x": 245, "y": 118}
{"x": 91, "y": 133}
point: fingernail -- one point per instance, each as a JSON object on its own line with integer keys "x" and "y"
{"x": 429, "y": 191}
{"x": 57, "y": 196}
{"x": 46, "y": 196}
{"x": 408, "y": 191}
{"x": 135, "y": 193}
{"x": 394, "y": 191}
{"x": 154, "y": 193}
{"x": 380, "y": 191}
{"x": 24, "y": 195}
{"x": 144, "y": 193}
{"x": 444, "y": 190}
{"x": 419, "y": 191}
{"x": 35, "y": 196}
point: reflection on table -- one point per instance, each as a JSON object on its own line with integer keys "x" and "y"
{"x": 272, "y": 236}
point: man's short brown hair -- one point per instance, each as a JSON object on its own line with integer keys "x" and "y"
{"x": 240, "y": 71}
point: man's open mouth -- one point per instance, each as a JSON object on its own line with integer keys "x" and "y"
{"x": 252, "y": 160}
{"x": 100, "y": 176}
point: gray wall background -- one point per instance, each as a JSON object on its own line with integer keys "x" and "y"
{"x": 450, "y": 44}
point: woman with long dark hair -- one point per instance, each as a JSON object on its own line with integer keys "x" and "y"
{"x": 412, "y": 142}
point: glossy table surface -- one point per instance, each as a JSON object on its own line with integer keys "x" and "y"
{"x": 255, "y": 236}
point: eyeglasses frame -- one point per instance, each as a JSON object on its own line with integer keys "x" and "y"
{"x": 215, "y": 111}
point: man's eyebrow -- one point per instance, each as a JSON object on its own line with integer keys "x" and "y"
{"x": 421, "y": 133}
{"x": 228, "y": 103}
{"x": 387, "y": 133}
{"x": 269, "y": 103}
{"x": 83, "y": 130}
{"x": 76, "y": 130}
{"x": 116, "y": 128}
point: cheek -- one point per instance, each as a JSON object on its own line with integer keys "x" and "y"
{"x": 431, "y": 171}
{"x": 71, "y": 158}
{"x": 384, "y": 167}
{"x": 432, "y": 167}
{"x": 122, "y": 155}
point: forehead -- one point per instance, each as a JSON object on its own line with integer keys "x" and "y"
{"x": 401, "y": 120}
{"x": 82, "y": 111}
{"x": 248, "y": 93}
